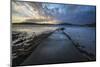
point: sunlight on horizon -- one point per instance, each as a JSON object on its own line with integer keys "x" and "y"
{"x": 50, "y": 13}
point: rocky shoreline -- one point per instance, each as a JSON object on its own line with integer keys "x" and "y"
{"x": 23, "y": 44}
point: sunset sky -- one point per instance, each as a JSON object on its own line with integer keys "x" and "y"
{"x": 53, "y": 13}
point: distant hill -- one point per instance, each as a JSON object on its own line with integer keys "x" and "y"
{"x": 28, "y": 23}
{"x": 31, "y": 23}
{"x": 91, "y": 25}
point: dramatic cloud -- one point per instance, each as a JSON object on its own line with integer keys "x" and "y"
{"x": 61, "y": 13}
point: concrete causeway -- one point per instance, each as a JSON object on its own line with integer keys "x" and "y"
{"x": 57, "y": 48}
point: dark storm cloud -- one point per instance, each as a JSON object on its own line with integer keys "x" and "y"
{"x": 76, "y": 14}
